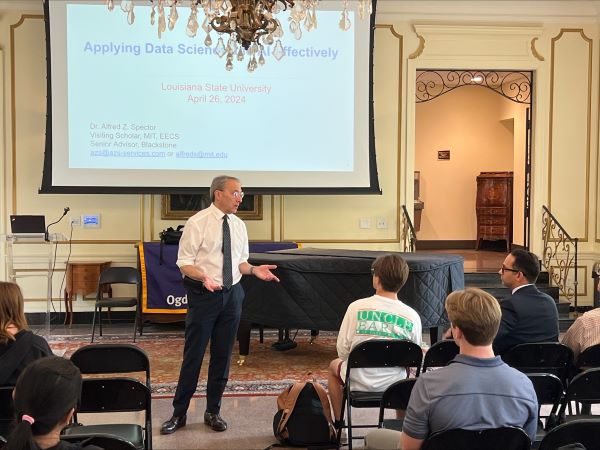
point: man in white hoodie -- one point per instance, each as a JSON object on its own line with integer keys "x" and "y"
{"x": 381, "y": 316}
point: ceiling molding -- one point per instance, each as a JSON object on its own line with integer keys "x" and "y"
{"x": 502, "y": 11}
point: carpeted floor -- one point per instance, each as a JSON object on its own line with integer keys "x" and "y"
{"x": 265, "y": 372}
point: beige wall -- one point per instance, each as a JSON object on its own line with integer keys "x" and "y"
{"x": 477, "y": 126}
{"x": 565, "y": 66}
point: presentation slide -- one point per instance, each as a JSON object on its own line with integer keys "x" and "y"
{"x": 130, "y": 109}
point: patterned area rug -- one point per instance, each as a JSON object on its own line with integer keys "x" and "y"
{"x": 265, "y": 372}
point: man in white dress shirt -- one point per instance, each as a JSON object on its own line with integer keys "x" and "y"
{"x": 213, "y": 256}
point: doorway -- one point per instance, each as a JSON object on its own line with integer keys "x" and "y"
{"x": 468, "y": 122}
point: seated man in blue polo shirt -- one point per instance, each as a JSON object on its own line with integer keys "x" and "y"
{"x": 476, "y": 391}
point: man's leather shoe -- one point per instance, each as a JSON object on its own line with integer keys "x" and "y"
{"x": 215, "y": 421}
{"x": 173, "y": 424}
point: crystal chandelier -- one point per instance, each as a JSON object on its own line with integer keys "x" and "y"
{"x": 250, "y": 24}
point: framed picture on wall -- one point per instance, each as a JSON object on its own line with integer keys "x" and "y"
{"x": 183, "y": 206}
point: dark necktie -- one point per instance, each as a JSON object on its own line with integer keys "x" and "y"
{"x": 227, "y": 273}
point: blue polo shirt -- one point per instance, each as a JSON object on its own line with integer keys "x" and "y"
{"x": 473, "y": 394}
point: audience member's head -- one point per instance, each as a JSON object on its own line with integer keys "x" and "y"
{"x": 11, "y": 311}
{"x": 45, "y": 397}
{"x": 392, "y": 272}
{"x": 525, "y": 262}
{"x": 476, "y": 313}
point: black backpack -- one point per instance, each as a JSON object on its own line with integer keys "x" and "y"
{"x": 303, "y": 418}
{"x": 170, "y": 236}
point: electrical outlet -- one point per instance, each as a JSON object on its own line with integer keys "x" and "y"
{"x": 75, "y": 221}
{"x": 382, "y": 223}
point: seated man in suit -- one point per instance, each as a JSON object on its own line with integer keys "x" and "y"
{"x": 477, "y": 390}
{"x": 528, "y": 315}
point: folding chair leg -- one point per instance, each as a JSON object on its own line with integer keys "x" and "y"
{"x": 349, "y": 426}
{"x": 341, "y": 421}
{"x": 100, "y": 318}
{"x": 94, "y": 323}
{"x": 141, "y": 324}
{"x": 135, "y": 324}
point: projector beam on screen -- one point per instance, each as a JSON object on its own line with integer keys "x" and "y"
{"x": 131, "y": 113}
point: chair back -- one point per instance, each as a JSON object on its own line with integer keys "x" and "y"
{"x": 106, "y": 441}
{"x": 541, "y": 357}
{"x": 385, "y": 353}
{"x": 584, "y": 388}
{"x": 111, "y": 358}
{"x": 549, "y": 391}
{"x": 548, "y": 388}
{"x": 582, "y": 431}
{"x": 396, "y": 396}
{"x": 504, "y": 438}
{"x": 590, "y": 357}
{"x": 7, "y": 412}
{"x": 100, "y": 395}
{"x": 120, "y": 275}
{"x": 440, "y": 354}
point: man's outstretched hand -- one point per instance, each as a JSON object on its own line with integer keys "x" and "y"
{"x": 263, "y": 272}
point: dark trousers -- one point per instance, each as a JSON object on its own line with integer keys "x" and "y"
{"x": 213, "y": 316}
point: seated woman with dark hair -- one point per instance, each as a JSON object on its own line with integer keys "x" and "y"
{"x": 45, "y": 398}
{"x": 18, "y": 345}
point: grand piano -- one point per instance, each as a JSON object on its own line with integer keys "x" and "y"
{"x": 317, "y": 285}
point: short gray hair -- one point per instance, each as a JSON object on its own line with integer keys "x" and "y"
{"x": 218, "y": 183}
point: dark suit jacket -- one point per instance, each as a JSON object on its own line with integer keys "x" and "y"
{"x": 527, "y": 316}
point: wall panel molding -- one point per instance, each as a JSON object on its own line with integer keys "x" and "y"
{"x": 570, "y": 129}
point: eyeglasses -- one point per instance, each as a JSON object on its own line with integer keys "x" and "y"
{"x": 372, "y": 270}
{"x": 236, "y": 194}
{"x": 507, "y": 269}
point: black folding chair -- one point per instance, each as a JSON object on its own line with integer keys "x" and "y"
{"x": 375, "y": 354}
{"x": 504, "y": 438}
{"x": 582, "y": 431}
{"x": 115, "y": 394}
{"x": 541, "y": 357}
{"x": 106, "y": 442}
{"x": 549, "y": 391}
{"x": 440, "y": 354}
{"x": 7, "y": 413}
{"x": 590, "y": 357}
{"x": 395, "y": 397}
{"x": 112, "y": 276}
{"x": 583, "y": 389}
{"x": 110, "y": 395}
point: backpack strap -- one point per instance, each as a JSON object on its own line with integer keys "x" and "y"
{"x": 287, "y": 406}
{"x": 324, "y": 400}
{"x": 320, "y": 390}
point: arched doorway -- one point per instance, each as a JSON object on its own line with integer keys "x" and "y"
{"x": 467, "y": 122}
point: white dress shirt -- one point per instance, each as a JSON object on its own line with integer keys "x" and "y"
{"x": 202, "y": 239}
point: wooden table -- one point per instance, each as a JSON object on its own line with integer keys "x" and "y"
{"x": 82, "y": 278}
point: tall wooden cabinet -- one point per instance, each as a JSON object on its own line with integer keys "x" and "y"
{"x": 494, "y": 207}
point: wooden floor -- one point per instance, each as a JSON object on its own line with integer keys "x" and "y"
{"x": 477, "y": 260}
